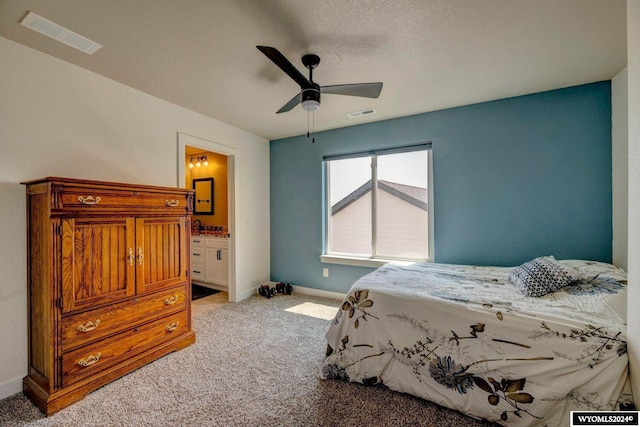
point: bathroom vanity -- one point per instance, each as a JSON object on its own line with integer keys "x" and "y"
{"x": 210, "y": 261}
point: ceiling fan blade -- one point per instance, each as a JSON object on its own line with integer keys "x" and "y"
{"x": 367, "y": 90}
{"x": 279, "y": 59}
{"x": 292, "y": 103}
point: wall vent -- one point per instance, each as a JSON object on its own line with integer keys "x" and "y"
{"x": 361, "y": 113}
{"x": 59, "y": 33}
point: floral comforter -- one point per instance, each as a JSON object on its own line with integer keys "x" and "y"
{"x": 462, "y": 337}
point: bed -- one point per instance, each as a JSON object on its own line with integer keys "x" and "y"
{"x": 466, "y": 337}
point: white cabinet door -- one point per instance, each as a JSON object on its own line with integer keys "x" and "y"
{"x": 217, "y": 266}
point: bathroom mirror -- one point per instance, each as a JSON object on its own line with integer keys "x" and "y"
{"x": 203, "y": 200}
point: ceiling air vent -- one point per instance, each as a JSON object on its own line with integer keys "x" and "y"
{"x": 59, "y": 33}
{"x": 361, "y": 113}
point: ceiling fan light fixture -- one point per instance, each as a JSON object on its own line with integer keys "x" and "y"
{"x": 309, "y": 96}
{"x": 310, "y": 105}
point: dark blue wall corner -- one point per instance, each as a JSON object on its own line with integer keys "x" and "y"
{"x": 513, "y": 179}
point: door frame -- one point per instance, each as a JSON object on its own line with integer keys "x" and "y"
{"x": 233, "y": 160}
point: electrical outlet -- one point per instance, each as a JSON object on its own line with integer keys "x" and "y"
{"x": 325, "y": 272}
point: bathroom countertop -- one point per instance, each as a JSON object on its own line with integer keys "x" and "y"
{"x": 210, "y": 234}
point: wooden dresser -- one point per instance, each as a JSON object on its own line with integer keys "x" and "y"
{"x": 108, "y": 283}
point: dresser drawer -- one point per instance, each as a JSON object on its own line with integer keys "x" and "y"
{"x": 88, "y": 326}
{"x": 85, "y": 361}
{"x": 86, "y": 198}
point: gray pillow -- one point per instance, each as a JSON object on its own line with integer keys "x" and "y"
{"x": 539, "y": 277}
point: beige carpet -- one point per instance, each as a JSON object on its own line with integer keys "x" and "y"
{"x": 255, "y": 363}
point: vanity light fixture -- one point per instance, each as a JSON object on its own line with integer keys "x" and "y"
{"x": 198, "y": 161}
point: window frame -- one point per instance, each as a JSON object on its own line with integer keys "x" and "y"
{"x": 373, "y": 260}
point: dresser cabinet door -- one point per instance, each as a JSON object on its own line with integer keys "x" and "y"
{"x": 98, "y": 264}
{"x": 161, "y": 251}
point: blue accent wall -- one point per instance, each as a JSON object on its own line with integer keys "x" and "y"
{"x": 514, "y": 179}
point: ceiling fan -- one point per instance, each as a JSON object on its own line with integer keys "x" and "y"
{"x": 310, "y": 91}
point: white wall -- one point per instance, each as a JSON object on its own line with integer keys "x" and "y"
{"x": 57, "y": 119}
{"x": 620, "y": 175}
{"x": 633, "y": 69}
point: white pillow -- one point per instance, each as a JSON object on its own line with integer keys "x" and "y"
{"x": 539, "y": 277}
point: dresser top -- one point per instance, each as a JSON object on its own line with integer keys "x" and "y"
{"x": 97, "y": 184}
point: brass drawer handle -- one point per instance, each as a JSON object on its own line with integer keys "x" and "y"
{"x": 140, "y": 255}
{"x": 89, "y": 200}
{"x": 171, "y": 300}
{"x": 172, "y": 203}
{"x": 172, "y": 327}
{"x": 89, "y": 326}
{"x": 90, "y": 360}
{"x": 131, "y": 256}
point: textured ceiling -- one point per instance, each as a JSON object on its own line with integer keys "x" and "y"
{"x": 430, "y": 54}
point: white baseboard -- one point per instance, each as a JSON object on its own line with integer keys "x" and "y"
{"x": 10, "y": 387}
{"x": 318, "y": 292}
{"x": 246, "y": 294}
{"x": 299, "y": 289}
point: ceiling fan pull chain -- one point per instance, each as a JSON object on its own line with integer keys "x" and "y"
{"x": 313, "y": 128}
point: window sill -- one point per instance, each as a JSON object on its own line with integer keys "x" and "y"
{"x": 363, "y": 262}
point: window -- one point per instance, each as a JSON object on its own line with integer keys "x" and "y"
{"x": 378, "y": 206}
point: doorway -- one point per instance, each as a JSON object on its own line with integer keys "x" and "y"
{"x": 222, "y": 206}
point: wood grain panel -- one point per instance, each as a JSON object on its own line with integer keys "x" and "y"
{"x": 95, "y": 261}
{"x": 164, "y": 241}
{"x": 40, "y": 295}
